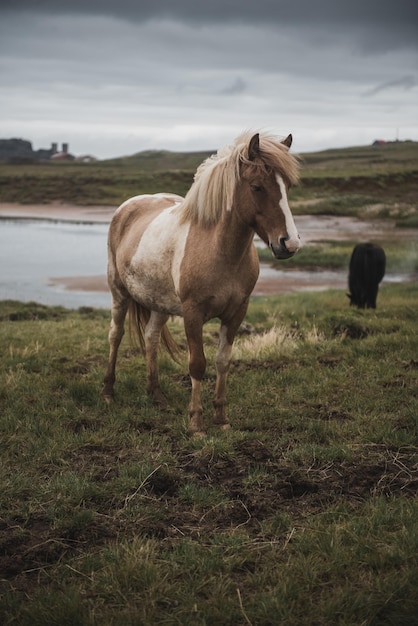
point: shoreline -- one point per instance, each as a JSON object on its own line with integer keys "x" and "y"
{"x": 57, "y": 212}
{"x": 266, "y": 285}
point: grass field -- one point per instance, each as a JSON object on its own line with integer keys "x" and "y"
{"x": 305, "y": 513}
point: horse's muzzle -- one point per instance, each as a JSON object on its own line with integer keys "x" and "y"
{"x": 281, "y": 251}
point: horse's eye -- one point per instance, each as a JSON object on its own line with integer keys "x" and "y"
{"x": 256, "y": 188}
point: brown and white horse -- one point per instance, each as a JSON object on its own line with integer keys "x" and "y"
{"x": 194, "y": 257}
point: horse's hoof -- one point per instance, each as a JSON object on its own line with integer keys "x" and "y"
{"x": 196, "y": 424}
{"x": 198, "y": 434}
{"x": 224, "y": 426}
{"x": 108, "y": 399}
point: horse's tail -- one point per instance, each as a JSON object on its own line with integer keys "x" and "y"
{"x": 138, "y": 319}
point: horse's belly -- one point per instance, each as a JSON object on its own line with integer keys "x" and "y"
{"x": 154, "y": 294}
{"x": 153, "y": 275}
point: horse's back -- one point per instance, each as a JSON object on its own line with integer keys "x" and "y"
{"x": 133, "y": 216}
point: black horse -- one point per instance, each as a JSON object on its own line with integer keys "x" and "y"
{"x": 367, "y": 268}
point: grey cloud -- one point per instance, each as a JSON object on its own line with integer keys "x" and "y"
{"x": 237, "y": 87}
{"x": 370, "y": 26}
{"x": 218, "y": 10}
{"x": 376, "y": 15}
{"x": 188, "y": 74}
{"x": 405, "y": 82}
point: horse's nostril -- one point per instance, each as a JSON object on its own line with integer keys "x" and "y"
{"x": 283, "y": 241}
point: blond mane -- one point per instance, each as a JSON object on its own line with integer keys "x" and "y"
{"x": 212, "y": 191}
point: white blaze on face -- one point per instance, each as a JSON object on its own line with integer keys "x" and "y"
{"x": 293, "y": 241}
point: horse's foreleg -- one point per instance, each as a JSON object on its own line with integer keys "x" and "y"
{"x": 116, "y": 332}
{"x": 196, "y": 426}
{"x": 197, "y": 368}
{"x": 222, "y": 362}
{"x": 152, "y": 339}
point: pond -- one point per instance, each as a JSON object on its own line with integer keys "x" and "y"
{"x": 64, "y": 262}
{"x": 32, "y": 252}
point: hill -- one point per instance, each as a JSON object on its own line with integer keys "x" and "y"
{"x": 161, "y": 160}
{"x": 358, "y": 160}
{"x": 396, "y": 156}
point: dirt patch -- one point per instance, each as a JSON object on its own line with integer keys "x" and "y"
{"x": 29, "y": 547}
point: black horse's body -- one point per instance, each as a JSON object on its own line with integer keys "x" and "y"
{"x": 367, "y": 268}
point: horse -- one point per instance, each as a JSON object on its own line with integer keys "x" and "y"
{"x": 194, "y": 257}
{"x": 366, "y": 270}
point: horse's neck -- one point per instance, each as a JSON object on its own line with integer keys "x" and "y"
{"x": 234, "y": 237}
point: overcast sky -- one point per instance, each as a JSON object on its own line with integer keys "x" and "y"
{"x": 114, "y": 77}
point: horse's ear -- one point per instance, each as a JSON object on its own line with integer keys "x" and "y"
{"x": 254, "y": 147}
{"x": 288, "y": 141}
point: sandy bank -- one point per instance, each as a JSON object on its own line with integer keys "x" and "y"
{"x": 266, "y": 285}
{"x": 57, "y": 211}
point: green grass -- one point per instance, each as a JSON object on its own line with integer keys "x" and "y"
{"x": 304, "y": 513}
{"x": 336, "y": 255}
{"x": 364, "y": 181}
{"x": 87, "y": 184}
{"x": 393, "y": 157}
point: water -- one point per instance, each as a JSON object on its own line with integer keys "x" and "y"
{"x": 34, "y": 251}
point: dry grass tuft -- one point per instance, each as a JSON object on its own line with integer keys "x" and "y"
{"x": 277, "y": 340}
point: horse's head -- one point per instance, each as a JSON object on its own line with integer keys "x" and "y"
{"x": 261, "y": 196}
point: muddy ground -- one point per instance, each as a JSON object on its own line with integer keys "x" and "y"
{"x": 29, "y": 547}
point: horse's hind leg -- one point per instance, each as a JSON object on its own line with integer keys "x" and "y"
{"x": 152, "y": 340}
{"x": 116, "y": 332}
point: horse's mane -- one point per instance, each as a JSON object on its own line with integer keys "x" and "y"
{"x": 212, "y": 191}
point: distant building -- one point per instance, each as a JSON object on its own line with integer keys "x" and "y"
{"x": 21, "y": 149}
{"x": 379, "y": 142}
{"x": 64, "y": 155}
{"x": 86, "y": 158}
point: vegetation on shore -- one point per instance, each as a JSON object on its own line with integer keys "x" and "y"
{"x": 368, "y": 181}
{"x": 304, "y": 513}
{"x": 335, "y": 255}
